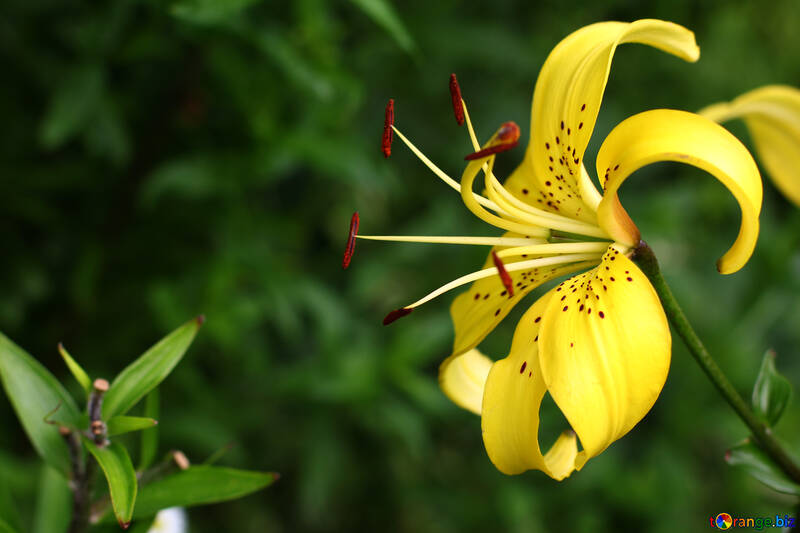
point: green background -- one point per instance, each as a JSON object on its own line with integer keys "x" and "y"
{"x": 161, "y": 160}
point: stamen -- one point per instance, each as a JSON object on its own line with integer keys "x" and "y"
{"x": 581, "y": 260}
{"x": 480, "y": 241}
{"x": 506, "y": 138}
{"x": 351, "y": 241}
{"x": 504, "y": 276}
{"x": 455, "y": 94}
{"x": 388, "y": 122}
{"x": 442, "y": 176}
{"x": 397, "y": 313}
{"x": 555, "y": 248}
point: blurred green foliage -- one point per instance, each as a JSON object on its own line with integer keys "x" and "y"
{"x": 161, "y": 159}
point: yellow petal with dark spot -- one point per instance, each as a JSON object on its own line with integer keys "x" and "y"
{"x": 511, "y": 400}
{"x": 669, "y": 135}
{"x": 772, "y": 114}
{"x": 476, "y": 312}
{"x": 604, "y": 351}
{"x": 566, "y": 102}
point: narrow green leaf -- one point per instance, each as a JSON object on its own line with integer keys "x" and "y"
{"x": 34, "y": 392}
{"x": 384, "y": 15}
{"x": 9, "y": 517}
{"x": 78, "y": 372}
{"x": 772, "y": 392}
{"x": 126, "y": 424}
{"x": 144, "y": 374}
{"x": 53, "y": 503}
{"x": 118, "y": 469}
{"x": 149, "y": 446}
{"x": 199, "y": 485}
{"x": 760, "y": 466}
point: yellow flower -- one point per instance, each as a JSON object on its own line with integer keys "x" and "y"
{"x": 599, "y": 342}
{"x": 772, "y": 115}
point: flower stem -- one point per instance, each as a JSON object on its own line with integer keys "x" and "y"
{"x": 646, "y": 259}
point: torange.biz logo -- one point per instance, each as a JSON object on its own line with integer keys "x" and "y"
{"x": 727, "y": 521}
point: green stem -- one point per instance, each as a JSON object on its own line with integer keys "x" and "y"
{"x": 644, "y": 257}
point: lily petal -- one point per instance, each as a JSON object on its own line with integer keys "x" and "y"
{"x": 669, "y": 135}
{"x": 566, "y": 102}
{"x": 462, "y": 378}
{"x": 604, "y": 351}
{"x": 510, "y": 415}
{"x": 476, "y": 312}
{"x": 772, "y": 115}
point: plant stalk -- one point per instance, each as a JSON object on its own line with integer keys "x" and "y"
{"x": 762, "y": 434}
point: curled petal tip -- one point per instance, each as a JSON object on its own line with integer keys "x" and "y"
{"x": 396, "y": 314}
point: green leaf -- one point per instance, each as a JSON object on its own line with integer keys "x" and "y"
{"x": 149, "y": 446}
{"x": 772, "y": 392}
{"x": 9, "y": 517}
{"x": 144, "y": 374}
{"x": 384, "y": 15}
{"x": 78, "y": 372}
{"x": 73, "y": 104}
{"x": 53, "y": 503}
{"x": 126, "y": 424}
{"x": 760, "y": 466}
{"x": 34, "y": 392}
{"x": 118, "y": 469}
{"x": 209, "y": 11}
{"x": 199, "y": 485}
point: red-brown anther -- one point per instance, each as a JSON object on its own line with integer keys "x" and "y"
{"x": 388, "y": 134}
{"x": 508, "y": 132}
{"x": 496, "y": 149}
{"x": 506, "y": 138}
{"x": 397, "y": 313}
{"x": 504, "y": 276}
{"x": 351, "y": 241}
{"x": 455, "y": 94}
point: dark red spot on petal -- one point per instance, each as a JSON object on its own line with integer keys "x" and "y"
{"x": 601, "y": 314}
{"x": 397, "y": 313}
{"x": 388, "y": 122}
{"x": 522, "y": 368}
{"x": 536, "y": 321}
{"x": 351, "y": 241}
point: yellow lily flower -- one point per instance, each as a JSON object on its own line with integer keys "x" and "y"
{"x": 599, "y": 342}
{"x": 772, "y": 114}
